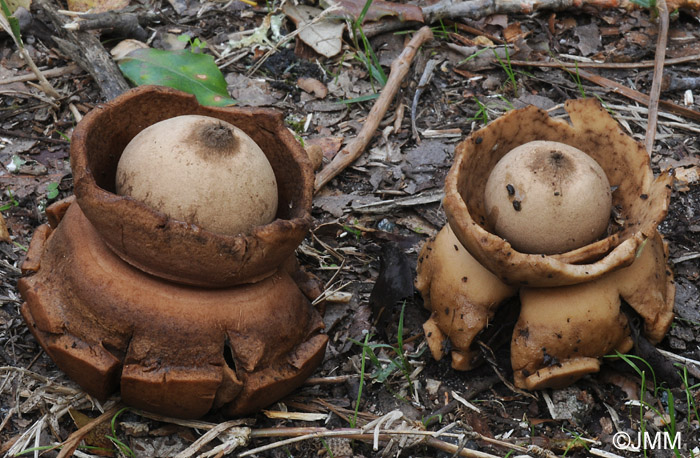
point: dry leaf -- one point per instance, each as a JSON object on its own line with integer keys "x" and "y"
{"x": 498, "y": 20}
{"x": 97, "y": 437}
{"x": 96, "y": 6}
{"x": 685, "y": 177}
{"x": 324, "y": 36}
{"x": 588, "y": 39}
{"x": 483, "y": 41}
{"x": 4, "y": 233}
{"x": 512, "y": 32}
{"x": 313, "y": 86}
{"x": 565, "y": 24}
{"x": 380, "y": 9}
{"x": 626, "y": 384}
{"x": 124, "y": 47}
{"x": 329, "y": 145}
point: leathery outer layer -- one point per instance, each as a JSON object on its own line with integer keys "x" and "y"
{"x": 570, "y": 302}
{"x": 174, "y": 349}
{"x": 563, "y": 331}
{"x": 462, "y": 295}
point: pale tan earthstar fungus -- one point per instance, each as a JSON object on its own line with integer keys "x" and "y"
{"x": 180, "y": 318}
{"x": 570, "y": 297}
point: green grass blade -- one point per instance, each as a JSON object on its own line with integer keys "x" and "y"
{"x": 14, "y": 23}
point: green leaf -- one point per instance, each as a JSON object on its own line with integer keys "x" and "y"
{"x": 52, "y": 191}
{"x": 383, "y": 373}
{"x": 189, "y": 72}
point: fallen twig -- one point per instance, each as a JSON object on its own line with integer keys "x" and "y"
{"x": 692, "y": 365}
{"x": 422, "y": 84}
{"x": 638, "y": 96}
{"x": 4, "y": 237}
{"x": 124, "y": 23}
{"x": 87, "y": 51}
{"x": 387, "y": 206}
{"x": 613, "y": 65}
{"x": 477, "y": 9}
{"x": 238, "y": 436}
{"x": 49, "y": 73}
{"x": 603, "y": 453}
{"x": 19, "y": 134}
{"x": 655, "y": 90}
{"x": 43, "y": 82}
{"x": 241, "y": 435}
{"x": 490, "y": 358}
{"x": 301, "y": 434}
{"x": 475, "y": 31}
{"x": 399, "y": 69}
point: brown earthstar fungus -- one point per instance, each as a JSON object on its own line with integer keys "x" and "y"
{"x": 232, "y": 332}
{"x": 571, "y": 285}
{"x": 638, "y": 199}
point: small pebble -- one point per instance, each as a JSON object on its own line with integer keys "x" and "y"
{"x": 386, "y": 225}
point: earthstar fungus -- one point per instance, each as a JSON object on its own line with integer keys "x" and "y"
{"x": 570, "y": 300}
{"x": 197, "y": 157}
{"x": 181, "y": 319}
{"x": 558, "y": 192}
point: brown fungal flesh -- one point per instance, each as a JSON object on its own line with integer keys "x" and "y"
{"x": 562, "y": 332}
{"x": 173, "y": 349}
{"x": 462, "y": 295}
{"x": 173, "y": 249}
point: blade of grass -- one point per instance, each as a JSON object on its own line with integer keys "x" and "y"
{"x": 353, "y": 423}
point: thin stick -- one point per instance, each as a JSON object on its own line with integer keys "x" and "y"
{"x": 691, "y": 364}
{"x": 45, "y": 85}
{"x": 399, "y": 69}
{"x": 476, "y": 9}
{"x": 232, "y": 427}
{"x": 301, "y": 434}
{"x": 655, "y": 90}
{"x": 640, "y": 97}
{"x": 613, "y": 65}
{"x": 422, "y": 84}
{"x": 48, "y": 73}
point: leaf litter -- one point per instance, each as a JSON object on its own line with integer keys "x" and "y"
{"x": 387, "y": 201}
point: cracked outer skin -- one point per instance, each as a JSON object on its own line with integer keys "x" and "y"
{"x": 570, "y": 314}
{"x": 177, "y": 350}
